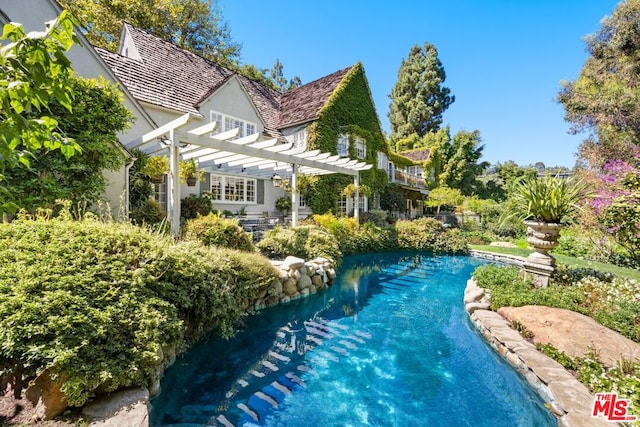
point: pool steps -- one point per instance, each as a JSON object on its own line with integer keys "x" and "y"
{"x": 282, "y": 369}
{"x": 331, "y": 341}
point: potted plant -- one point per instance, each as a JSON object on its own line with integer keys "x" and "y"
{"x": 283, "y": 204}
{"x": 155, "y": 167}
{"x": 189, "y": 172}
{"x": 543, "y": 203}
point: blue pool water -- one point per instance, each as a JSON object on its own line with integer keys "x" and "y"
{"x": 388, "y": 345}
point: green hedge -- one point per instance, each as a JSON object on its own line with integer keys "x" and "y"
{"x": 211, "y": 230}
{"x": 305, "y": 241}
{"x": 424, "y": 234}
{"x": 428, "y": 234}
{"x": 102, "y": 305}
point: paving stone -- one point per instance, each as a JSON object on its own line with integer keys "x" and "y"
{"x": 473, "y": 295}
{"x": 575, "y": 419}
{"x": 572, "y": 396}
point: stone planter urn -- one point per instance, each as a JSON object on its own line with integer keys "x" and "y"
{"x": 543, "y": 236}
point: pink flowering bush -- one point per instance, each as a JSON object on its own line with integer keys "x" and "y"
{"x": 617, "y": 206}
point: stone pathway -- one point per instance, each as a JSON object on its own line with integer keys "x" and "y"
{"x": 573, "y": 333}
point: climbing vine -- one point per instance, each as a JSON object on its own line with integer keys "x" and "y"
{"x": 349, "y": 111}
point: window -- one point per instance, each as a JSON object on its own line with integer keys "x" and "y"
{"x": 361, "y": 148}
{"x": 343, "y": 146}
{"x": 226, "y": 123}
{"x": 233, "y": 189}
{"x": 302, "y": 203}
{"x": 300, "y": 139}
{"x": 342, "y": 206}
{"x": 160, "y": 193}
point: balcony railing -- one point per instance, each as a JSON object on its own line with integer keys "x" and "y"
{"x": 401, "y": 177}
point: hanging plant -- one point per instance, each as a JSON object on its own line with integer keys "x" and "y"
{"x": 350, "y": 190}
{"x": 190, "y": 173}
{"x": 155, "y": 167}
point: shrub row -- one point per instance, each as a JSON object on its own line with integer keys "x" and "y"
{"x": 423, "y": 234}
{"x": 101, "y": 305}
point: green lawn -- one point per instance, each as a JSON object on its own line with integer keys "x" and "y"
{"x": 569, "y": 261}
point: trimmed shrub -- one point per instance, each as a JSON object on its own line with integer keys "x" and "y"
{"x": 306, "y": 242}
{"x": 102, "y": 305}
{"x": 193, "y": 206}
{"x": 211, "y": 230}
{"x": 149, "y": 213}
{"x": 428, "y": 234}
{"x": 376, "y": 216}
{"x": 369, "y": 238}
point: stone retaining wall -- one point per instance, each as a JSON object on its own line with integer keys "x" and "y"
{"x": 568, "y": 399}
{"x": 297, "y": 279}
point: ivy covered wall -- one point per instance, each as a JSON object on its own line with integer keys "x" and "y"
{"x": 349, "y": 110}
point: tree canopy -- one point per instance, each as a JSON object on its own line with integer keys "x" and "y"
{"x": 34, "y": 73}
{"x": 195, "y": 25}
{"x": 605, "y": 98}
{"x": 419, "y": 96}
{"x": 98, "y": 115}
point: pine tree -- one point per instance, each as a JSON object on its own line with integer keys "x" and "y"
{"x": 419, "y": 98}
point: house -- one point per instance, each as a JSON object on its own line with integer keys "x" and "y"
{"x": 86, "y": 62}
{"x": 331, "y": 119}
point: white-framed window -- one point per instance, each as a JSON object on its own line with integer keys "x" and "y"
{"x": 302, "y": 203}
{"x": 391, "y": 171}
{"x": 361, "y": 148}
{"x": 300, "y": 139}
{"x": 226, "y": 122}
{"x": 342, "y": 206}
{"x": 343, "y": 146}
{"x": 415, "y": 171}
{"x": 233, "y": 189}
{"x": 160, "y": 192}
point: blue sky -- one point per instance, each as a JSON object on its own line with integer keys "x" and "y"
{"x": 504, "y": 59}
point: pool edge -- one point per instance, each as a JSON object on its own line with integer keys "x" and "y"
{"x": 566, "y": 397}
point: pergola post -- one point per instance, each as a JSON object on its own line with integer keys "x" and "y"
{"x": 173, "y": 185}
{"x": 294, "y": 195}
{"x": 356, "y": 200}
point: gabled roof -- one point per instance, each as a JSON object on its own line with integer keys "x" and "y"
{"x": 419, "y": 155}
{"x": 162, "y": 74}
{"x": 167, "y": 75}
{"x": 304, "y": 103}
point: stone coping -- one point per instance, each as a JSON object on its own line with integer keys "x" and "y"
{"x": 503, "y": 258}
{"x": 567, "y": 398}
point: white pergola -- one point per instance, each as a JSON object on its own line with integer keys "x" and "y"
{"x": 242, "y": 155}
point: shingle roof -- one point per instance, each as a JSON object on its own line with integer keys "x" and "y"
{"x": 416, "y": 155}
{"x": 167, "y": 76}
{"x": 303, "y": 104}
{"x": 173, "y": 78}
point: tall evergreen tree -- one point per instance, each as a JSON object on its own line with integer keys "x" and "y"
{"x": 605, "y": 98}
{"x": 419, "y": 98}
{"x": 195, "y": 25}
{"x": 462, "y": 168}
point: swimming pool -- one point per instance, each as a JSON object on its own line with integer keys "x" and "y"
{"x": 388, "y": 345}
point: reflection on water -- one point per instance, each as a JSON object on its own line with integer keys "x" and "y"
{"x": 388, "y": 344}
